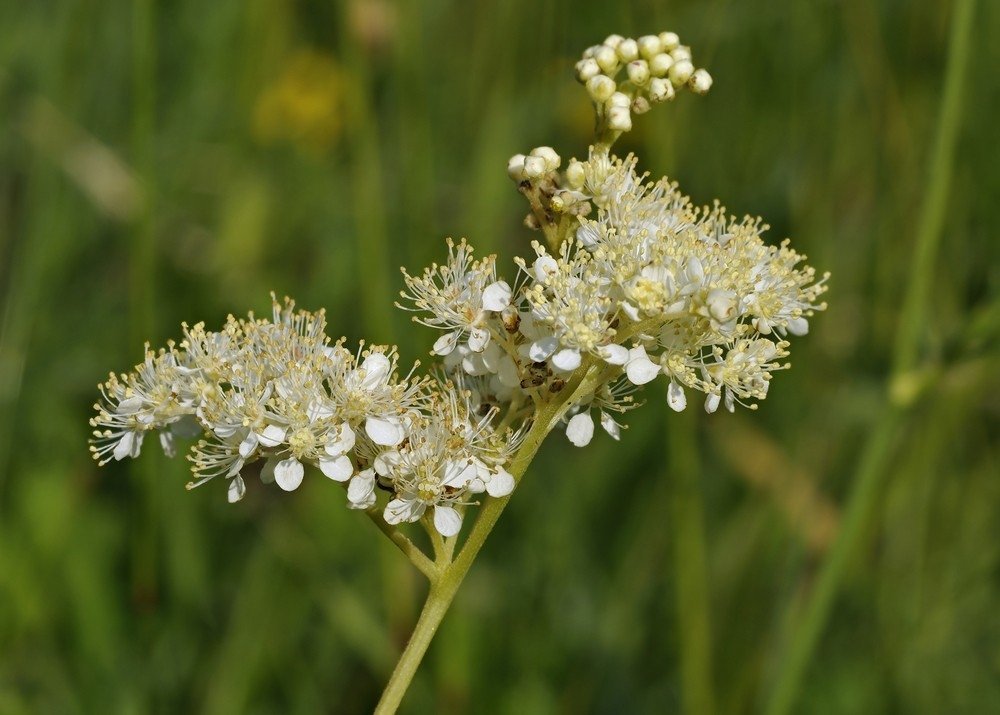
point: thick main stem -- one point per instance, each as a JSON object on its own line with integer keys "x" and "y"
{"x": 438, "y": 601}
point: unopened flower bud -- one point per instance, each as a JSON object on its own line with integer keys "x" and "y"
{"x": 607, "y": 58}
{"x": 619, "y": 119}
{"x": 600, "y": 87}
{"x": 618, "y": 99}
{"x": 650, "y": 46}
{"x": 638, "y": 72}
{"x": 700, "y": 82}
{"x": 591, "y": 51}
{"x": 628, "y": 50}
{"x": 613, "y": 40}
{"x": 576, "y": 174}
{"x": 681, "y": 72}
{"x": 534, "y": 166}
{"x": 548, "y": 155}
{"x": 681, "y": 53}
{"x": 515, "y": 167}
{"x": 587, "y": 68}
{"x": 670, "y": 40}
{"x": 660, "y": 90}
{"x": 564, "y": 200}
{"x": 660, "y": 65}
{"x": 640, "y": 105}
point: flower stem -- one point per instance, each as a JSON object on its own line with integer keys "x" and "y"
{"x": 403, "y": 543}
{"x": 445, "y": 583}
{"x": 438, "y": 600}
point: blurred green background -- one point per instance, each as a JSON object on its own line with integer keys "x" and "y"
{"x": 175, "y": 161}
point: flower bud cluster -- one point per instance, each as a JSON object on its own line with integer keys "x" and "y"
{"x": 626, "y": 76}
{"x": 279, "y": 393}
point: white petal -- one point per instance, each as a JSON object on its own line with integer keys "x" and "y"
{"x": 543, "y": 266}
{"x": 589, "y": 233}
{"x": 288, "y": 474}
{"x": 167, "y": 442}
{"x": 500, "y": 484}
{"x": 445, "y": 344}
{"x": 319, "y": 410}
{"x": 237, "y": 489}
{"x": 361, "y": 486}
{"x": 376, "y": 368}
{"x": 386, "y": 431}
{"x": 676, "y": 397}
{"x": 496, "y": 296}
{"x": 236, "y": 467}
{"x": 248, "y": 445}
{"x": 580, "y": 429}
{"x": 129, "y": 406}
{"x": 630, "y": 310}
{"x": 640, "y": 368}
{"x": 458, "y": 473}
{"x": 541, "y": 349}
{"x": 730, "y": 401}
{"x": 610, "y": 426}
{"x": 386, "y": 462}
{"x": 267, "y": 471}
{"x": 474, "y": 364}
{"x": 566, "y": 359}
{"x": 507, "y": 372}
{"x": 338, "y": 469}
{"x": 492, "y": 356}
{"x": 399, "y": 510}
{"x": 447, "y": 521}
{"x": 712, "y": 402}
{"x": 798, "y": 326}
{"x": 343, "y": 441}
{"x": 613, "y": 354}
{"x": 695, "y": 271}
{"x": 126, "y": 446}
{"x": 478, "y": 339}
{"x": 225, "y": 431}
{"x": 272, "y": 436}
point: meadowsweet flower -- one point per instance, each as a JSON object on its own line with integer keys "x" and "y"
{"x": 461, "y": 297}
{"x": 632, "y": 283}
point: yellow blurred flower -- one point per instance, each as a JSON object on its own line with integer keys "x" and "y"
{"x": 303, "y": 105}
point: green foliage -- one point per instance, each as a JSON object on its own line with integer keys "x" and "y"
{"x": 146, "y": 178}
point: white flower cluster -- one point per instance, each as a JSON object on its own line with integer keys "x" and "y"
{"x": 277, "y": 391}
{"x": 655, "y": 66}
{"x": 717, "y": 299}
{"x": 632, "y": 282}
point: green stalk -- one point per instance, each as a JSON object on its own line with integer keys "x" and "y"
{"x": 873, "y": 465}
{"x": 690, "y": 557}
{"x": 451, "y": 574}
